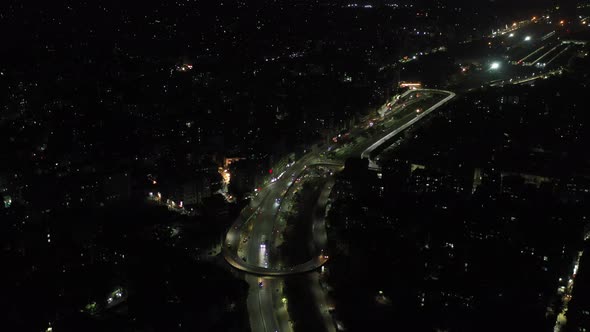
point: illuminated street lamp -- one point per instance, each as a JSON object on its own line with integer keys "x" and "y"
{"x": 495, "y": 66}
{"x": 527, "y": 38}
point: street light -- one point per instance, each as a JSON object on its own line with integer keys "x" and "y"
{"x": 495, "y": 66}
{"x": 527, "y": 38}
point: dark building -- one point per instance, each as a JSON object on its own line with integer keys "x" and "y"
{"x": 565, "y": 8}
{"x": 357, "y": 181}
{"x": 395, "y": 175}
{"x": 247, "y": 174}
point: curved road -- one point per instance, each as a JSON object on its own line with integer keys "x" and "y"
{"x": 247, "y": 241}
{"x": 265, "y": 209}
{"x": 248, "y": 253}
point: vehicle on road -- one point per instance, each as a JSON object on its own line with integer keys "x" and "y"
{"x": 263, "y": 241}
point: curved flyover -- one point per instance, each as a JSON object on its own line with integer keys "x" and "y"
{"x": 278, "y": 191}
{"x": 320, "y": 239}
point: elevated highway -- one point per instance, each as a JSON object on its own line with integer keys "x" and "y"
{"x": 256, "y": 222}
{"x": 246, "y": 248}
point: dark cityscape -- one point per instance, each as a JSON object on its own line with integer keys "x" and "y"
{"x": 303, "y": 165}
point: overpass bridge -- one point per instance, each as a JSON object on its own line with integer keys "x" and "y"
{"x": 367, "y": 153}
